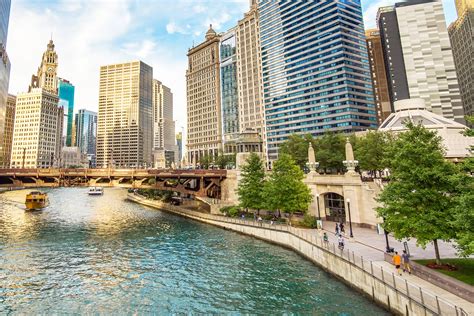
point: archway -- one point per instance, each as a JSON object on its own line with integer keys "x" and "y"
{"x": 335, "y": 207}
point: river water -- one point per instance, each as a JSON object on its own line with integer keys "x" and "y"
{"x": 105, "y": 255}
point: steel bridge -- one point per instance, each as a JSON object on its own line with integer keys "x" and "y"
{"x": 201, "y": 183}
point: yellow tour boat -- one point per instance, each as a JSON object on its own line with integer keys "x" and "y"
{"x": 36, "y": 200}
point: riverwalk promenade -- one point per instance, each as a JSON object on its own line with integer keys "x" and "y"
{"x": 361, "y": 264}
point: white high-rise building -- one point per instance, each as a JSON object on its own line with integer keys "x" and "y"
{"x": 38, "y": 126}
{"x": 428, "y": 57}
{"x": 164, "y": 143}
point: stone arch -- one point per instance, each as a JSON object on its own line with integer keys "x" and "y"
{"x": 334, "y": 206}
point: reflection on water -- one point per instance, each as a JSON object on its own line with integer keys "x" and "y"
{"x": 102, "y": 254}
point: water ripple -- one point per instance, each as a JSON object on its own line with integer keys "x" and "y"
{"x": 104, "y": 255}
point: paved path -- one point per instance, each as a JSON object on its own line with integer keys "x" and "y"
{"x": 368, "y": 244}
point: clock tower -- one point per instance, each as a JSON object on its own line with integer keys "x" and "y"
{"x": 46, "y": 77}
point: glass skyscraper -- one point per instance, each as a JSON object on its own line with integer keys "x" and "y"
{"x": 4, "y": 71}
{"x": 230, "y": 102}
{"x": 315, "y": 69}
{"x": 66, "y": 97}
{"x": 86, "y": 134}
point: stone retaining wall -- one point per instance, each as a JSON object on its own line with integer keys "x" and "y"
{"x": 388, "y": 290}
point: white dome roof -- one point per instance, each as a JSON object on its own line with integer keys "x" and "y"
{"x": 414, "y": 110}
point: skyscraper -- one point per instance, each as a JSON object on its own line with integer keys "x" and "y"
{"x": 461, "y": 34}
{"x": 66, "y": 99}
{"x": 379, "y": 76}
{"x": 463, "y": 5}
{"x": 9, "y": 125}
{"x": 37, "y": 133}
{"x": 125, "y": 119}
{"x": 204, "y": 136}
{"x": 4, "y": 72}
{"x": 86, "y": 134}
{"x": 229, "y": 94}
{"x": 164, "y": 143}
{"x": 179, "y": 143}
{"x": 423, "y": 44}
{"x": 315, "y": 69}
{"x": 249, "y": 72}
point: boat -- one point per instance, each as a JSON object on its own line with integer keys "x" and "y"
{"x": 96, "y": 191}
{"x": 36, "y": 201}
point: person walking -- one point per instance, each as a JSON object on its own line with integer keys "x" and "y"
{"x": 325, "y": 239}
{"x": 406, "y": 262}
{"x": 341, "y": 227}
{"x": 340, "y": 242}
{"x": 337, "y": 229}
{"x": 397, "y": 261}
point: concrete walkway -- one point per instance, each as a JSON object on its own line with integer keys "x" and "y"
{"x": 370, "y": 245}
{"x": 371, "y": 239}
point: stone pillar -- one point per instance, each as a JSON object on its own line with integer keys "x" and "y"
{"x": 350, "y": 163}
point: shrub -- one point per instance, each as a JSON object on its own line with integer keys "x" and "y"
{"x": 309, "y": 221}
{"x": 232, "y": 211}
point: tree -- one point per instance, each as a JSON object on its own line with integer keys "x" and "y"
{"x": 251, "y": 185}
{"x": 330, "y": 152}
{"x": 418, "y": 200}
{"x": 205, "y": 161}
{"x": 297, "y": 147}
{"x": 370, "y": 150}
{"x": 464, "y": 202}
{"x": 225, "y": 160}
{"x": 285, "y": 190}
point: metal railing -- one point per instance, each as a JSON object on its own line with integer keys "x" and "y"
{"x": 425, "y": 299}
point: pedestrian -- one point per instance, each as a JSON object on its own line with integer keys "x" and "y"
{"x": 406, "y": 262}
{"x": 325, "y": 238}
{"x": 259, "y": 219}
{"x": 337, "y": 229}
{"x": 341, "y": 227}
{"x": 340, "y": 242}
{"x": 397, "y": 261}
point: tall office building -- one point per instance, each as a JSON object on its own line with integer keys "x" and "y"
{"x": 379, "y": 76}
{"x": 249, "y": 72}
{"x": 315, "y": 69}
{"x": 423, "y": 44}
{"x": 86, "y": 134}
{"x": 125, "y": 119}
{"x": 66, "y": 99}
{"x": 37, "y": 133}
{"x": 229, "y": 93}
{"x": 179, "y": 143}
{"x": 463, "y": 5}
{"x": 204, "y": 123}
{"x": 8, "y": 135}
{"x": 38, "y": 130}
{"x": 4, "y": 73}
{"x": 164, "y": 143}
{"x": 461, "y": 34}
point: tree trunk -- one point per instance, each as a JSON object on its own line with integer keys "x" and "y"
{"x": 279, "y": 213}
{"x": 438, "y": 258}
{"x": 258, "y": 211}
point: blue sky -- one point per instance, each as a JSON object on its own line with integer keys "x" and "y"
{"x": 90, "y": 33}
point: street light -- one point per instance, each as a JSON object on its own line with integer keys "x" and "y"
{"x": 350, "y": 220}
{"x": 317, "y": 201}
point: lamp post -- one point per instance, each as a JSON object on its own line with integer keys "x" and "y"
{"x": 350, "y": 219}
{"x": 317, "y": 201}
{"x": 387, "y": 246}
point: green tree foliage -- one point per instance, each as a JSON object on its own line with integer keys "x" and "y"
{"x": 418, "y": 200}
{"x": 297, "y": 147}
{"x": 224, "y": 161}
{"x": 205, "y": 161}
{"x": 464, "y": 206}
{"x": 285, "y": 190}
{"x": 370, "y": 150}
{"x": 251, "y": 185}
{"x": 330, "y": 152}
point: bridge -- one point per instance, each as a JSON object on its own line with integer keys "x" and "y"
{"x": 201, "y": 183}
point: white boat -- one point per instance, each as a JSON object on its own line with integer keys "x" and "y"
{"x": 96, "y": 191}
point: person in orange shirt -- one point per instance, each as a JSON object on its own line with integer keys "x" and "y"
{"x": 397, "y": 261}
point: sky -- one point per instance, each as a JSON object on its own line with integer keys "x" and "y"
{"x": 91, "y": 33}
